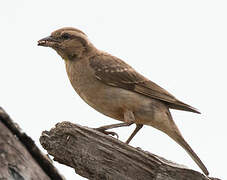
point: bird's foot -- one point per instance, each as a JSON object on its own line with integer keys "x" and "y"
{"x": 102, "y": 130}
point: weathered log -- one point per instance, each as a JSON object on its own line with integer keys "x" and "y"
{"x": 100, "y": 157}
{"x": 20, "y": 158}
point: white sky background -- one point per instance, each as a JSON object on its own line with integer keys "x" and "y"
{"x": 180, "y": 45}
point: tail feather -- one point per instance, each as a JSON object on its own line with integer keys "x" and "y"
{"x": 172, "y": 131}
{"x": 180, "y": 140}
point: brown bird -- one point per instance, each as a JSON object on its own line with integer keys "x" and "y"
{"x": 115, "y": 89}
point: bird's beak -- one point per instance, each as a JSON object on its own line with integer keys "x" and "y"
{"x": 47, "y": 41}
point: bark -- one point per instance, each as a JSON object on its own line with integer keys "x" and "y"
{"x": 20, "y": 158}
{"x": 99, "y": 157}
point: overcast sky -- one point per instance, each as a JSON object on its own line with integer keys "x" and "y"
{"x": 180, "y": 45}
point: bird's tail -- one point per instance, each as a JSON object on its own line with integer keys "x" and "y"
{"x": 176, "y": 135}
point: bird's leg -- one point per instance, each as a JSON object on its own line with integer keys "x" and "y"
{"x": 111, "y": 126}
{"x": 104, "y": 129}
{"x": 138, "y": 127}
{"x": 129, "y": 119}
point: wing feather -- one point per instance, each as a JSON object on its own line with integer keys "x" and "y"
{"x": 115, "y": 72}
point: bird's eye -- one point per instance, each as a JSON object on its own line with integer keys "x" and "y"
{"x": 65, "y": 36}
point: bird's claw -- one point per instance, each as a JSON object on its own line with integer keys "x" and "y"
{"x": 104, "y": 131}
{"x": 111, "y": 133}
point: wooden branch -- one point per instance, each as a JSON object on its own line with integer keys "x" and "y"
{"x": 20, "y": 158}
{"x": 99, "y": 157}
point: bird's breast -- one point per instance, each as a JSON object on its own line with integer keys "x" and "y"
{"x": 101, "y": 97}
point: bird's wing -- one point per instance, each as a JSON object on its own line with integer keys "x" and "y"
{"x": 115, "y": 72}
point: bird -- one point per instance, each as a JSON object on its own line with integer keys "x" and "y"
{"x": 115, "y": 89}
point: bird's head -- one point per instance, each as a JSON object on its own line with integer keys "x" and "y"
{"x": 70, "y": 43}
